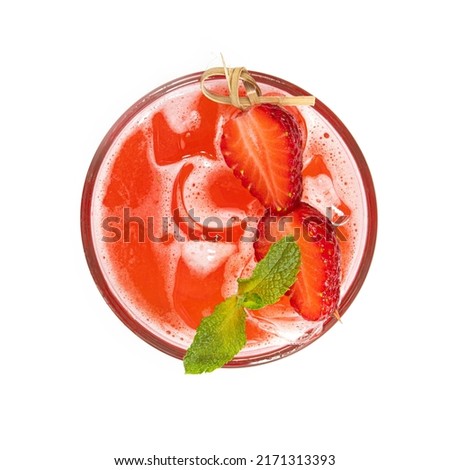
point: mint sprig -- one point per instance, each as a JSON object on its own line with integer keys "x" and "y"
{"x": 221, "y": 335}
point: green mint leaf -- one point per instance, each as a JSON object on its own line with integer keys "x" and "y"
{"x": 222, "y": 335}
{"x": 272, "y": 276}
{"x": 218, "y": 339}
{"x": 252, "y": 301}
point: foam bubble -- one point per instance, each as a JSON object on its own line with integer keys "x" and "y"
{"x": 205, "y": 257}
{"x": 181, "y": 115}
{"x": 285, "y": 325}
{"x": 320, "y": 192}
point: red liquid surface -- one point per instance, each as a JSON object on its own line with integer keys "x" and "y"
{"x": 169, "y": 163}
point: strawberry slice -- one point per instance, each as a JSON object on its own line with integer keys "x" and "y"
{"x": 263, "y": 145}
{"x": 315, "y": 294}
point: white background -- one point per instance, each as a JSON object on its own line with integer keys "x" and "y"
{"x": 77, "y": 387}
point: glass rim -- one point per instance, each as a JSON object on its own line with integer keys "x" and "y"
{"x": 94, "y": 265}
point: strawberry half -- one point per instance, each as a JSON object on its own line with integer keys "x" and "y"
{"x": 315, "y": 294}
{"x": 263, "y": 146}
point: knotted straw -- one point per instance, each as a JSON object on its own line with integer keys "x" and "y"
{"x": 236, "y": 76}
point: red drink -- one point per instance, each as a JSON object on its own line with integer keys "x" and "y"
{"x": 168, "y": 228}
